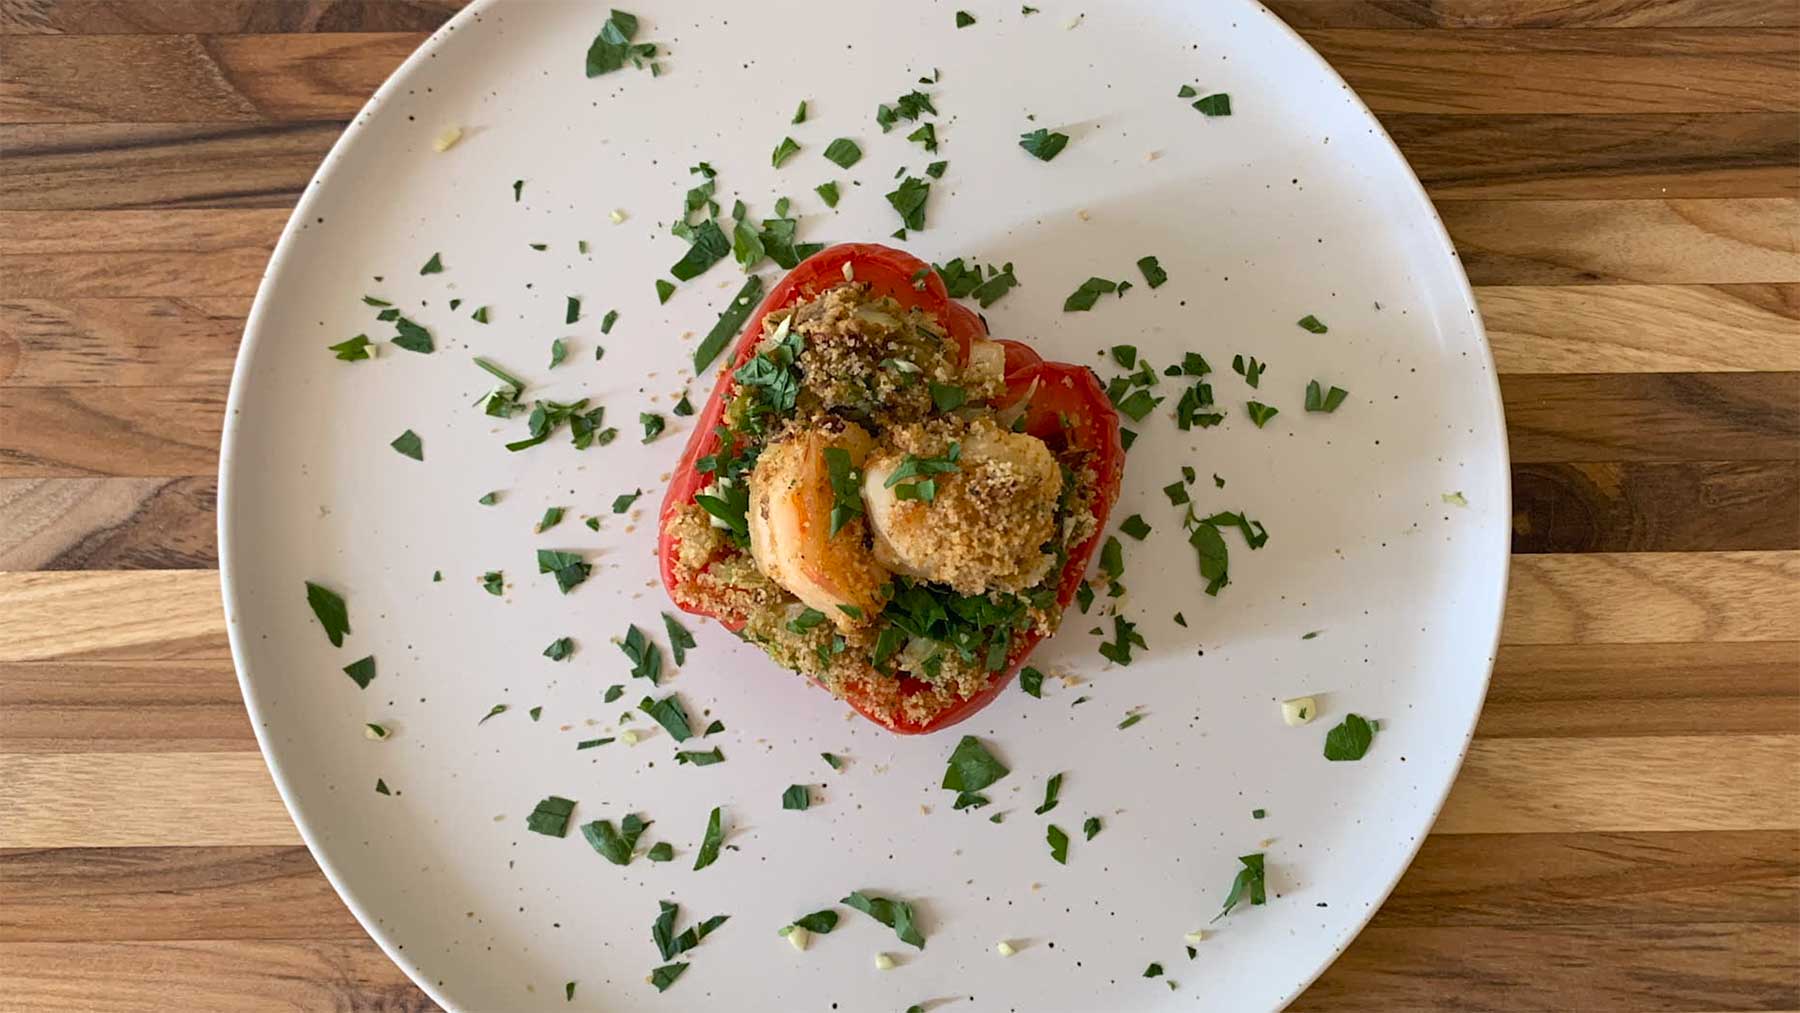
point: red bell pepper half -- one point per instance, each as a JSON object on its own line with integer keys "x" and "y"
{"x": 1065, "y": 406}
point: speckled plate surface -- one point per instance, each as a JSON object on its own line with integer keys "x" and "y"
{"x": 1296, "y": 204}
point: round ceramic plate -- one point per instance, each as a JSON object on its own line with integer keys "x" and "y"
{"x": 1379, "y": 590}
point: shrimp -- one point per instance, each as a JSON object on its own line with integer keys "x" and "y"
{"x": 791, "y": 501}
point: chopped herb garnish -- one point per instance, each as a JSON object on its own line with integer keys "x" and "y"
{"x": 668, "y": 712}
{"x": 845, "y": 153}
{"x": 964, "y": 19}
{"x": 909, "y": 200}
{"x": 895, "y": 914}
{"x": 381, "y": 787}
{"x": 1154, "y": 275}
{"x": 568, "y": 567}
{"x": 784, "y": 151}
{"x": 1059, "y": 844}
{"x": 1051, "y": 788}
{"x": 409, "y": 444}
{"x": 615, "y": 845}
{"x": 591, "y": 743}
{"x": 653, "y": 424}
{"x": 412, "y": 337}
{"x": 480, "y": 316}
{"x": 1260, "y": 413}
{"x": 1125, "y": 636}
{"x": 700, "y": 759}
{"x": 1249, "y": 369}
{"x": 1313, "y": 324}
{"x": 623, "y": 502}
{"x": 683, "y": 408}
{"x": 796, "y": 797}
{"x": 665, "y": 975}
{"x": 493, "y": 582}
{"x": 708, "y": 246}
{"x": 329, "y": 607}
{"x": 832, "y": 761}
{"x": 550, "y": 817}
{"x": 560, "y": 649}
{"x": 1247, "y": 885}
{"x": 1044, "y": 145}
{"x": 1090, "y": 827}
{"x": 1031, "y": 681}
{"x": 433, "y": 266}
{"x": 1257, "y": 814}
{"x": 1318, "y": 400}
{"x": 661, "y": 851}
{"x": 972, "y": 767}
{"x": 1350, "y": 740}
{"x": 946, "y": 397}
{"x": 1186, "y": 91}
{"x": 664, "y": 289}
{"x": 646, "y": 658}
{"x": 828, "y": 192}
{"x": 800, "y": 113}
{"x": 552, "y": 517}
{"x": 1216, "y": 104}
{"x": 1089, "y": 292}
{"x": 354, "y": 350}
{"x": 1135, "y": 526}
{"x": 361, "y": 672}
{"x": 493, "y": 712}
{"x": 711, "y": 842}
{"x": 1153, "y": 971}
{"x": 607, "y": 321}
{"x": 680, "y": 641}
{"x": 846, "y": 488}
{"x": 612, "y": 48}
{"x": 1131, "y": 719}
{"x": 729, "y": 323}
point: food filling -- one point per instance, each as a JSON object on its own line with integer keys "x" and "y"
{"x": 875, "y": 517}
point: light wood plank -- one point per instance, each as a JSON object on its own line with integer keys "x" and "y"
{"x": 227, "y": 976}
{"x": 1648, "y": 783}
{"x": 108, "y": 523}
{"x": 1649, "y": 597}
{"x": 1642, "y": 328}
{"x": 122, "y": 707}
{"x": 134, "y": 799}
{"x": 1628, "y": 70}
{"x": 1611, "y": 690}
{"x": 145, "y": 615}
{"x": 86, "y": 342}
{"x": 1581, "y": 242}
{"x": 150, "y": 432}
{"x": 1701, "y": 782}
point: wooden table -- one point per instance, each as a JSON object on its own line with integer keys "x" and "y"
{"x": 1621, "y": 176}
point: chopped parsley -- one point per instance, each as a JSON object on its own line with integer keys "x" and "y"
{"x": 550, "y": 817}
{"x": 699, "y": 759}
{"x": 381, "y": 787}
{"x": 1257, "y": 814}
{"x": 614, "y": 692}
{"x": 711, "y": 841}
{"x": 1090, "y": 827}
{"x": 433, "y": 266}
{"x": 353, "y": 350}
{"x": 683, "y": 407}
{"x": 1125, "y": 636}
{"x": 328, "y": 606}
{"x": 966, "y": 281}
{"x": 800, "y": 113}
{"x": 1313, "y": 324}
{"x": 1044, "y": 145}
{"x": 828, "y": 192}
{"x": 1131, "y": 719}
{"x": 615, "y": 845}
{"x": 568, "y": 568}
{"x": 653, "y": 424}
{"x": 1186, "y": 91}
{"x": 936, "y": 169}
{"x": 846, "y": 488}
{"x": 1088, "y": 293}
{"x": 845, "y": 153}
{"x": 707, "y": 246}
{"x": 895, "y": 914}
{"x": 1051, "y": 789}
{"x": 552, "y": 517}
{"x": 665, "y": 975}
{"x": 1216, "y": 104}
{"x": 646, "y": 657}
{"x": 361, "y": 672}
{"x": 1031, "y": 681}
{"x": 1260, "y": 413}
{"x": 947, "y": 397}
{"x": 784, "y": 151}
{"x": 796, "y": 797}
{"x": 536, "y": 712}
{"x": 494, "y": 583}
{"x": 613, "y": 47}
{"x": 972, "y": 767}
{"x": 680, "y": 641}
{"x": 560, "y": 649}
{"x": 661, "y": 851}
{"x": 909, "y": 106}
{"x": 480, "y": 316}
{"x": 671, "y": 945}
{"x": 1248, "y": 885}
{"x": 1059, "y": 844}
{"x": 1135, "y": 526}
{"x": 592, "y": 743}
{"x": 1318, "y": 400}
{"x": 1350, "y": 740}
{"x": 926, "y": 135}
{"x": 832, "y": 761}
{"x": 409, "y": 445}
{"x": 909, "y": 200}
{"x": 964, "y": 19}
{"x": 571, "y": 309}
{"x": 623, "y": 502}
{"x": 669, "y": 713}
{"x": 729, "y": 323}
{"x": 664, "y": 289}
{"x": 493, "y": 712}
{"x": 607, "y": 321}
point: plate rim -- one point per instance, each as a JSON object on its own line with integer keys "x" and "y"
{"x": 260, "y": 309}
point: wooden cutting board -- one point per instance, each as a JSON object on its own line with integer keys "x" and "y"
{"x": 1622, "y": 178}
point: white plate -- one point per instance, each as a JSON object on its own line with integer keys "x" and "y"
{"x": 1297, "y": 204}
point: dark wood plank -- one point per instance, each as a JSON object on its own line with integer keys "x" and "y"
{"x": 1636, "y": 417}
{"x": 129, "y": 342}
{"x": 1536, "y": 13}
{"x": 108, "y": 523}
{"x": 1628, "y": 70}
{"x": 228, "y": 976}
{"x": 123, "y": 707}
{"x": 194, "y": 78}
{"x": 1588, "y": 157}
{"x": 160, "y": 894}
{"x": 1610, "y": 690}
{"x": 1595, "y": 969}
{"x": 110, "y": 17}
{"x": 53, "y": 166}
{"x": 1656, "y": 507}
{"x": 152, "y": 432}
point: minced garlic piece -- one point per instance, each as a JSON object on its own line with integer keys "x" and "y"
{"x": 447, "y": 140}
{"x": 1299, "y": 711}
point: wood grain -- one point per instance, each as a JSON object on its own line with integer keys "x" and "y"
{"x": 87, "y": 342}
{"x": 1632, "y": 241}
{"x": 1616, "y": 690}
{"x": 1652, "y": 417}
{"x": 1645, "y": 597}
{"x": 1487, "y": 14}
{"x": 108, "y": 523}
{"x": 152, "y": 432}
{"x": 125, "y": 707}
{"x": 118, "y": 17}
{"x": 1641, "y": 328}
{"x": 1653, "y": 506}
{"x": 148, "y": 615}
{"x": 134, "y": 799}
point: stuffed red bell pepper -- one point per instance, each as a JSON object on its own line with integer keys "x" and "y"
{"x": 883, "y": 498}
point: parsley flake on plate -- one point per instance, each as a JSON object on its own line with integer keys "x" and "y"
{"x": 570, "y": 570}
{"x": 832, "y": 761}
{"x": 613, "y": 48}
{"x": 665, "y": 975}
{"x": 828, "y": 192}
{"x": 1249, "y": 369}
{"x": 433, "y": 266}
{"x": 664, "y": 289}
{"x": 1044, "y": 145}
{"x": 895, "y": 914}
{"x": 550, "y": 817}
{"x": 1088, "y": 293}
{"x": 796, "y": 797}
{"x": 1051, "y": 789}
{"x": 409, "y": 445}
{"x": 972, "y": 767}
{"x": 1350, "y": 740}
{"x": 909, "y": 200}
{"x": 1090, "y": 827}
{"x": 494, "y": 583}
{"x": 1031, "y": 681}
{"x": 1216, "y": 104}
{"x": 845, "y": 153}
{"x": 1318, "y": 400}
{"x": 560, "y": 649}
{"x": 1135, "y": 526}
{"x": 328, "y": 606}
{"x": 1059, "y": 844}
{"x": 494, "y": 711}
{"x": 680, "y": 641}
{"x": 646, "y": 657}
{"x": 615, "y": 845}
{"x": 353, "y": 350}
{"x": 1248, "y": 885}
{"x": 964, "y": 19}
{"x": 411, "y": 336}
{"x": 669, "y": 713}
{"x": 1260, "y": 413}
{"x": 653, "y": 424}
{"x": 711, "y": 842}
{"x": 381, "y": 787}
{"x": 784, "y": 151}
{"x": 361, "y": 671}
{"x": 623, "y": 502}
{"x": 1312, "y": 324}
{"x": 701, "y": 759}
{"x": 729, "y": 323}
{"x": 552, "y": 517}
